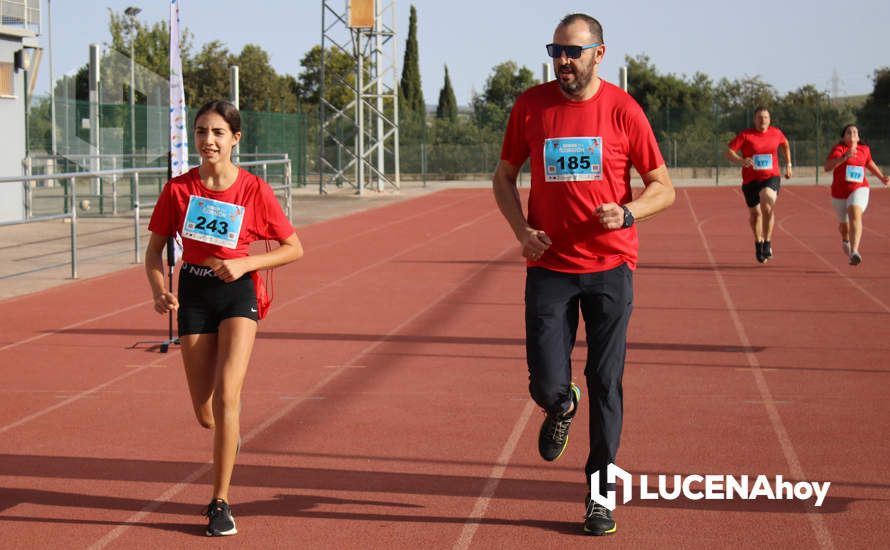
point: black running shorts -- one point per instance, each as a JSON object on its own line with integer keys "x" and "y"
{"x": 752, "y": 189}
{"x": 205, "y": 300}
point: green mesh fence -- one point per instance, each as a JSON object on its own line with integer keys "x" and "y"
{"x": 137, "y": 136}
{"x": 692, "y": 139}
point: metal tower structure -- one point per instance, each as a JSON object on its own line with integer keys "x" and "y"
{"x": 355, "y": 139}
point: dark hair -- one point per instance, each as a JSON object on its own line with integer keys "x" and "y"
{"x": 592, "y": 24}
{"x": 844, "y": 131}
{"x": 224, "y": 109}
{"x": 761, "y": 108}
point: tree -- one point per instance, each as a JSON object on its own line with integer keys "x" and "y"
{"x": 411, "y": 102}
{"x": 874, "y": 116}
{"x": 745, "y": 95}
{"x": 262, "y": 89}
{"x": 670, "y": 102}
{"x": 805, "y": 112}
{"x": 207, "y": 77}
{"x": 39, "y": 137}
{"x": 503, "y": 86}
{"x": 339, "y": 76}
{"x": 151, "y": 44}
{"x": 447, "y": 108}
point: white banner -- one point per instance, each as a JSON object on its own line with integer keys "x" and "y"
{"x": 178, "y": 133}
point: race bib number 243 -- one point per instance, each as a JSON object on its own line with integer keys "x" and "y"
{"x": 212, "y": 221}
{"x": 573, "y": 159}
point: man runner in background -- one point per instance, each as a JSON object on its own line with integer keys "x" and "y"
{"x": 582, "y": 135}
{"x": 760, "y": 176}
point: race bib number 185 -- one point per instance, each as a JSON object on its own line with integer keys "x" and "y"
{"x": 573, "y": 159}
{"x": 212, "y": 221}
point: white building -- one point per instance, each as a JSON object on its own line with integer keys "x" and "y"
{"x": 19, "y": 61}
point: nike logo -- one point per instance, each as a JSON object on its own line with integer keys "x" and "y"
{"x": 253, "y": 309}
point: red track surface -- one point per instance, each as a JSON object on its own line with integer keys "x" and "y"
{"x": 386, "y": 405}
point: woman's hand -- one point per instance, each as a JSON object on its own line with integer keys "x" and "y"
{"x": 165, "y": 302}
{"x": 227, "y": 270}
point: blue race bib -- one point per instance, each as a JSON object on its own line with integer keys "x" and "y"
{"x": 212, "y": 221}
{"x": 855, "y": 174}
{"x": 573, "y": 159}
{"x": 763, "y": 162}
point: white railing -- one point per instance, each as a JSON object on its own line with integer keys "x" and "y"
{"x": 71, "y": 198}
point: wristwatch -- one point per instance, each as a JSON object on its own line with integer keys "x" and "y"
{"x": 628, "y": 217}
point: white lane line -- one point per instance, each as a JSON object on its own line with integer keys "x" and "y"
{"x": 204, "y": 468}
{"x": 320, "y": 247}
{"x": 830, "y": 213}
{"x": 388, "y": 259}
{"x": 494, "y": 479}
{"x": 823, "y": 537}
{"x": 83, "y": 394}
{"x": 90, "y": 391}
{"x": 376, "y": 228}
{"x": 73, "y": 325}
{"x": 851, "y": 281}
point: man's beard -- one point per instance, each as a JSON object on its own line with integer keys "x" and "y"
{"x": 582, "y": 79}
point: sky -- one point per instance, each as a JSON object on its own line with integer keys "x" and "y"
{"x": 788, "y": 44}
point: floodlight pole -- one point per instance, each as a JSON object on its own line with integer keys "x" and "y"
{"x": 52, "y": 83}
{"x": 235, "y": 97}
{"x": 342, "y": 34}
{"x": 131, "y": 13}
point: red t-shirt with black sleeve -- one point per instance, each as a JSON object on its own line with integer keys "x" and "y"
{"x": 850, "y": 174}
{"x": 762, "y": 148}
{"x": 263, "y": 217}
{"x": 581, "y": 155}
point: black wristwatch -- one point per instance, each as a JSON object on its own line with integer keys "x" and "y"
{"x": 628, "y": 217}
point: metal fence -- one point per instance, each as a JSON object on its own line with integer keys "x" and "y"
{"x": 68, "y": 196}
{"x": 137, "y": 137}
{"x": 706, "y": 160}
{"x": 694, "y": 140}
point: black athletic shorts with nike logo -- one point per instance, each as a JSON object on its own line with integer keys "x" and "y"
{"x": 205, "y": 300}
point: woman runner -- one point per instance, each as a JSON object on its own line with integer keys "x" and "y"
{"x": 219, "y": 209}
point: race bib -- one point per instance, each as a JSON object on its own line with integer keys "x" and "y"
{"x": 855, "y": 174}
{"x": 573, "y": 159}
{"x": 212, "y": 221}
{"x": 763, "y": 162}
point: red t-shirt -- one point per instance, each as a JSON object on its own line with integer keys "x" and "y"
{"x": 762, "y": 146}
{"x": 847, "y": 179}
{"x": 581, "y": 154}
{"x": 263, "y": 217}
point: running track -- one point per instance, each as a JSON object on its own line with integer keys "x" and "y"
{"x": 386, "y": 404}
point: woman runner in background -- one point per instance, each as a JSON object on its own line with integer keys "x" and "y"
{"x": 219, "y": 209}
{"x": 849, "y": 188}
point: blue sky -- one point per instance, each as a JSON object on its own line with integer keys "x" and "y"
{"x": 788, "y": 44}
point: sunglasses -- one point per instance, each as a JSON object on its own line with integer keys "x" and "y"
{"x": 573, "y": 52}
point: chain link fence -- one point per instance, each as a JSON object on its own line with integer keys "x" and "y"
{"x": 693, "y": 142}
{"x": 696, "y": 141}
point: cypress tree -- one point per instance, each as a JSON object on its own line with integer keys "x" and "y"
{"x": 447, "y": 107}
{"x": 411, "y": 99}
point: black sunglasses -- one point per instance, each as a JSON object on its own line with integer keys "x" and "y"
{"x": 573, "y": 52}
